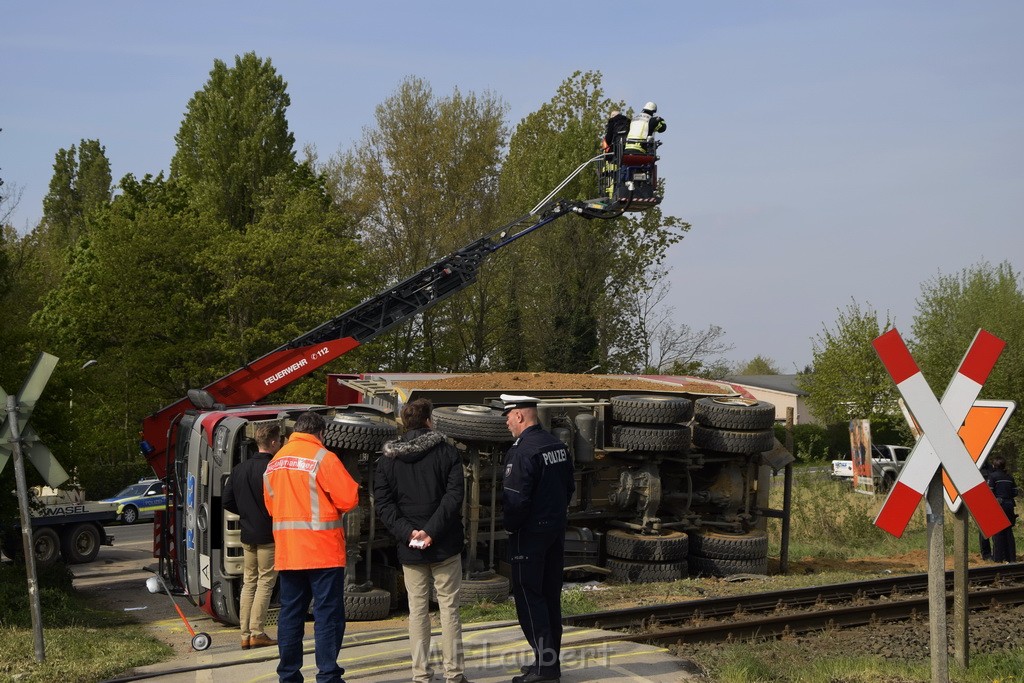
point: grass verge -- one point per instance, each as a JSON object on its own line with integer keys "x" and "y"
{"x": 781, "y": 661}
{"x": 81, "y": 644}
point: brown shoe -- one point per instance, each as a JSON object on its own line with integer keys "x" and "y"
{"x": 246, "y": 643}
{"x": 261, "y": 640}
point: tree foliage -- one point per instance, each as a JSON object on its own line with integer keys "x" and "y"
{"x": 669, "y": 347}
{"x": 422, "y": 182}
{"x": 849, "y": 381}
{"x": 950, "y": 311}
{"x": 234, "y": 140}
{"x": 758, "y": 365}
{"x": 577, "y": 277}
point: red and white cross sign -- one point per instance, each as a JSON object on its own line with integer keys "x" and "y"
{"x": 939, "y": 445}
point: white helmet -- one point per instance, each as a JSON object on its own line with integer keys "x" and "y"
{"x": 651, "y": 107}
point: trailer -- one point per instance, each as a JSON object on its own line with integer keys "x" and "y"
{"x": 64, "y": 525}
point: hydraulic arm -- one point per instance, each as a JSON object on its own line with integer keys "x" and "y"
{"x": 356, "y": 326}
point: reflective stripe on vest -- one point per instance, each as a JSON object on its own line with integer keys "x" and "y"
{"x": 311, "y": 467}
{"x": 638, "y": 131}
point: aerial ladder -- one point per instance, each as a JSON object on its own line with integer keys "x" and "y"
{"x": 633, "y": 187}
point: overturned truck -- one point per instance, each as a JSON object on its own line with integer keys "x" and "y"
{"x": 672, "y": 478}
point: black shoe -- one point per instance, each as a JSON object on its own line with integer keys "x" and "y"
{"x": 536, "y": 678}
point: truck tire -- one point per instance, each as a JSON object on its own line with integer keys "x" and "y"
{"x": 734, "y": 413}
{"x": 709, "y": 566}
{"x": 653, "y": 409}
{"x": 370, "y": 605}
{"x": 710, "y": 544}
{"x": 360, "y": 432}
{"x": 667, "y": 547}
{"x": 46, "y": 545}
{"x": 730, "y": 441}
{"x": 130, "y": 514}
{"x": 472, "y": 424}
{"x": 11, "y": 546}
{"x": 658, "y": 438}
{"x": 493, "y": 589}
{"x": 80, "y": 543}
{"x": 628, "y": 571}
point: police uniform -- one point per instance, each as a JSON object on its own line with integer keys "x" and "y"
{"x": 537, "y": 487}
{"x": 1004, "y": 545}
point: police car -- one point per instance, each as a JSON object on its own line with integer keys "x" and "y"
{"x": 140, "y": 500}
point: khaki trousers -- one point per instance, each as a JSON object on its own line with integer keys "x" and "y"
{"x": 257, "y": 586}
{"x": 446, "y": 578}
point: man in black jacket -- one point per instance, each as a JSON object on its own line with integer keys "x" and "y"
{"x": 243, "y": 495}
{"x": 418, "y": 491}
{"x": 538, "y": 485}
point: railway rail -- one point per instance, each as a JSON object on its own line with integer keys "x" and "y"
{"x": 801, "y": 610}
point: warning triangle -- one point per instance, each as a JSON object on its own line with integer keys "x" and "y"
{"x": 979, "y": 432}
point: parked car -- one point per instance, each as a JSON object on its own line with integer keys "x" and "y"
{"x": 140, "y": 500}
{"x": 886, "y": 463}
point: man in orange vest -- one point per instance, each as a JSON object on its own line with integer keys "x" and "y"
{"x": 307, "y": 490}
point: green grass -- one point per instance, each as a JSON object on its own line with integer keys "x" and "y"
{"x": 574, "y": 601}
{"x": 81, "y": 643}
{"x": 788, "y": 662}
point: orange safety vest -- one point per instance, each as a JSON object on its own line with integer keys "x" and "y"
{"x": 307, "y": 490}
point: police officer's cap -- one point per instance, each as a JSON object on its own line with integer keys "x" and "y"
{"x": 512, "y": 402}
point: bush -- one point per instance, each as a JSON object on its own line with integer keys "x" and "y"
{"x": 810, "y": 442}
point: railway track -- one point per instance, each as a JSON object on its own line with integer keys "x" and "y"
{"x": 801, "y": 610}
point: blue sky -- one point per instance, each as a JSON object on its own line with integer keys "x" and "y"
{"x": 824, "y": 152}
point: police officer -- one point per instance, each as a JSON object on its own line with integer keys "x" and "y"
{"x": 1004, "y": 546}
{"x": 644, "y": 125}
{"x": 537, "y": 487}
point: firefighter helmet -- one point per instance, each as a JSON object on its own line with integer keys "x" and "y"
{"x": 650, "y": 107}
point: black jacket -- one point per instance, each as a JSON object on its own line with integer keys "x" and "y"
{"x": 243, "y": 495}
{"x": 539, "y": 482}
{"x": 1004, "y": 489}
{"x": 419, "y": 485}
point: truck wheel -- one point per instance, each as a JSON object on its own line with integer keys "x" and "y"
{"x": 46, "y": 546}
{"x": 368, "y": 605}
{"x": 653, "y": 409}
{"x": 472, "y": 424}
{"x": 130, "y": 514}
{"x": 667, "y": 547}
{"x": 80, "y": 543}
{"x": 888, "y": 480}
{"x": 651, "y": 438}
{"x": 713, "y": 545}
{"x": 734, "y": 413}
{"x": 360, "y": 432}
{"x": 493, "y": 589}
{"x": 11, "y": 546}
{"x": 729, "y": 441}
{"x": 627, "y": 571}
{"x": 709, "y": 566}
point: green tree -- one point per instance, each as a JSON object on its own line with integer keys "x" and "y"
{"x": 848, "y": 380}
{"x": 951, "y": 309}
{"x": 581, "y": 273}
{"x": 758, "y": 365}
{"x": 234, "y": 140}
{"x": 80, "y": 186}
{"x": 423, "y": 182}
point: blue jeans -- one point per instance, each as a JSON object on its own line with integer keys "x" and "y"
{"x": 326, "y": 589}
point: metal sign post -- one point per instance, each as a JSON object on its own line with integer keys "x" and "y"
{"x": 26, "y": 529}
